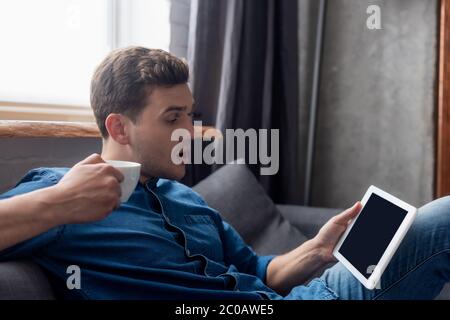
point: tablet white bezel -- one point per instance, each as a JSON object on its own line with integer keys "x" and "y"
{"x": 374, "y": 278}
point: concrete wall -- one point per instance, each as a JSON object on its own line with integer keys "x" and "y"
{"x": 19, "y": 155}
{"x": 377, "y": 100}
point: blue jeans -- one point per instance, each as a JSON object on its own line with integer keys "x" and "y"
{"x": 418, "y": 270}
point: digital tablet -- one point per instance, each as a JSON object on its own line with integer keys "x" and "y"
{"x": 372, "y": 238}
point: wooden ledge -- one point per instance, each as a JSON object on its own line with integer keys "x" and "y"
{"x": 54, "y": 129}
{"x": 61, "y": 129}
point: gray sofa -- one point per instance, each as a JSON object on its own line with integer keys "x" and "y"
{"x": 236, "y": 194}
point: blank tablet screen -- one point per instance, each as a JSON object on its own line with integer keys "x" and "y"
{"x": 371, "y": 234}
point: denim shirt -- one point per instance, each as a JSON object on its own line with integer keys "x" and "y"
{"x": 163, "y": 243}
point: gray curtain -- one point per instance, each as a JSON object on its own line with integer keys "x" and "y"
{"x": 245, "y": 74}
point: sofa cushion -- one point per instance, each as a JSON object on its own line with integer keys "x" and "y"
{"x": 23, "y": 280}
{"x": 240, "y": 199}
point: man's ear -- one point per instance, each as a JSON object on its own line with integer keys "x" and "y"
{"x": 117, "y": 126}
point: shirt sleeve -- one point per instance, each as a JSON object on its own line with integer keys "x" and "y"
{"x": 238, "y": 253}
{"x": 34, "y": 180}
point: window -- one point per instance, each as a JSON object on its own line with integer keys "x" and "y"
{"x": 50, "y": 49}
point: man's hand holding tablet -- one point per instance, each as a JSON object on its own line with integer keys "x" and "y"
{"x": 331, "y": 232}
{"x": 377, "y": 227}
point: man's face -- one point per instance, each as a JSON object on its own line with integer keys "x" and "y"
{"x": 150, "y": 137}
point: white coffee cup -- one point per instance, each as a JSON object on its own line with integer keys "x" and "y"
{"x": 131, "y": 172}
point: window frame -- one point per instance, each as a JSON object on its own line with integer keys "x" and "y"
{"x": 442, "y": 185}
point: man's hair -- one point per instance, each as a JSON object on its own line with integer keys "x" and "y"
{"x": 124, "y": 80}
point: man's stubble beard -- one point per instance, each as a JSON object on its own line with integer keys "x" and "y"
{"x": 151, "y": 166}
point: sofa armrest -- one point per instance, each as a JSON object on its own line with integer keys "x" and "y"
{"x": 308, "y": 220}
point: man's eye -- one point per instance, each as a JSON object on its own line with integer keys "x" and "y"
{"x": 173, "y": 118}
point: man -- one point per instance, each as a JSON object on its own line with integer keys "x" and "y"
{"x": 166, "y": 243}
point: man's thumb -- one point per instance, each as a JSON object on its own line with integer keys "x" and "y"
{"x": 349, "y": 214}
